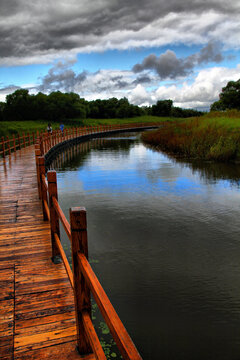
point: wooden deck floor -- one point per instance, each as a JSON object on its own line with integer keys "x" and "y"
{"x": 36, "y": 300}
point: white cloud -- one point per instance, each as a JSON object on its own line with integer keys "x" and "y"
{"x": 203, "y": 91}
{"x": 139, "y": 96}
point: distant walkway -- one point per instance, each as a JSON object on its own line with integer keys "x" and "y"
{"x": 36, "y": 301}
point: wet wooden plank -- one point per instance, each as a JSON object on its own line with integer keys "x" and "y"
{"x": 61, "y": 351}
{"x": 43, "y": 304}
{"x": 6, "y": 312}
{"x": 6, "y": 283}
{"x": 6, "y": 347}
{"x": 44, "y": 322}
{"x": 40, "y": 336}
{"x": 6, "y": 318}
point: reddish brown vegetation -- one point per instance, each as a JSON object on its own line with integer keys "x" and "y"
{"x": 196, "y": 139}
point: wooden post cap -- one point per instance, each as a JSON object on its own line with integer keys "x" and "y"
{"x": 51, "y": 176}
{"x": 78, "y": 218}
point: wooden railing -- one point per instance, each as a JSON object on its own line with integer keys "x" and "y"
{"x": 82, "y": 277}
{"x": 47, "y": 141}
{"x": 7, "y": 145}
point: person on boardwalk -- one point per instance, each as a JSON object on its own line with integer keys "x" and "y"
{"x": 61, "y": 127}
{"x": 49, "y": 128}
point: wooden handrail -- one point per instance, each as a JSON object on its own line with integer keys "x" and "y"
{"x": 47, "y": 141}
{"x": 62, "y": 217}
{"x": 46, "y": 209}
{"x": 64, "y": 259}
{"x": 120, "y": 335}
{"x": 44, "y": 182}
{"x": 93, "y": 338}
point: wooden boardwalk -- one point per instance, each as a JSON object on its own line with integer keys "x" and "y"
{"x": 36, "y": 300}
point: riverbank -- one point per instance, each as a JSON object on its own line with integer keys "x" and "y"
{"x": 8, "y": 128}
{"x": 215, "y": 136}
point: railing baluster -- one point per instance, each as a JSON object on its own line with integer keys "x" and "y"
{"x": 78, "y": 224}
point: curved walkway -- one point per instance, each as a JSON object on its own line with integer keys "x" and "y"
{"x": 36, "y": 300}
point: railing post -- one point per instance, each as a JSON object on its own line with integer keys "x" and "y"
{"x": 41, "y": 166}
{"x": 19, "y": 142}
{"x": 33, "y": 138}
{"x": 82, "y": 300}
{"x": 8, "y": 144}
{"x": 3, "y": 147}
{"x": 24, "y": 142}
{"x": 41, "y": 145}
{"x": 14, "y": 143}
{"x": 54, "y": 218}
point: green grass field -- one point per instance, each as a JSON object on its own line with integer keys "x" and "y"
{"x": 8, "y": 128}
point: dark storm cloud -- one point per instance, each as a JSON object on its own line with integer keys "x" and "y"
{"x": 167, "y": 65}
{"x": 42, "y": 27}
{"x": 142, "y": 80}
{"x": 121, "y": 84}
{"x": 209, "y": 53}
{"x": 61, "y": 77}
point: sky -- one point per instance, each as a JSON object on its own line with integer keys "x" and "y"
{"x": 144, "y": 50}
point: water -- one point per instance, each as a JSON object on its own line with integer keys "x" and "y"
{"x": 164, "y": 240}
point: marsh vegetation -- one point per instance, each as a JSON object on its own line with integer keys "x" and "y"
{"x": 215, "y": 136}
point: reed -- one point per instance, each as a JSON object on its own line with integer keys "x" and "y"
{"x": 215, "y": 136}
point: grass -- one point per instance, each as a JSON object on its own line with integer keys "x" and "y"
{"x": 215, "y": 136}
{"x": 8, "y": 128}
{"x": 138, "y": 119}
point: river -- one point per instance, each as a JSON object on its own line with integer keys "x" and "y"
{"x": 164, "y": 240}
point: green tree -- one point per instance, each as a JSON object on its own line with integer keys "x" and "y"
{"x": 18, "y": 105}
{"x": 229, "y": 98}
{"x": 162, "y": 108}
{"x": 217, "y": 106}
{"x": 230, "y": 95}
{"x": 2, "y": 107}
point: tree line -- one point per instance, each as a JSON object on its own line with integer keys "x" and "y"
{"x": 58, "y": 106}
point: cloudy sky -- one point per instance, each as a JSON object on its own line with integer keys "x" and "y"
{"x": 145, "y": 50}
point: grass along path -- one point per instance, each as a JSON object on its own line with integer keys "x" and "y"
{"x": 8, "y": 128}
